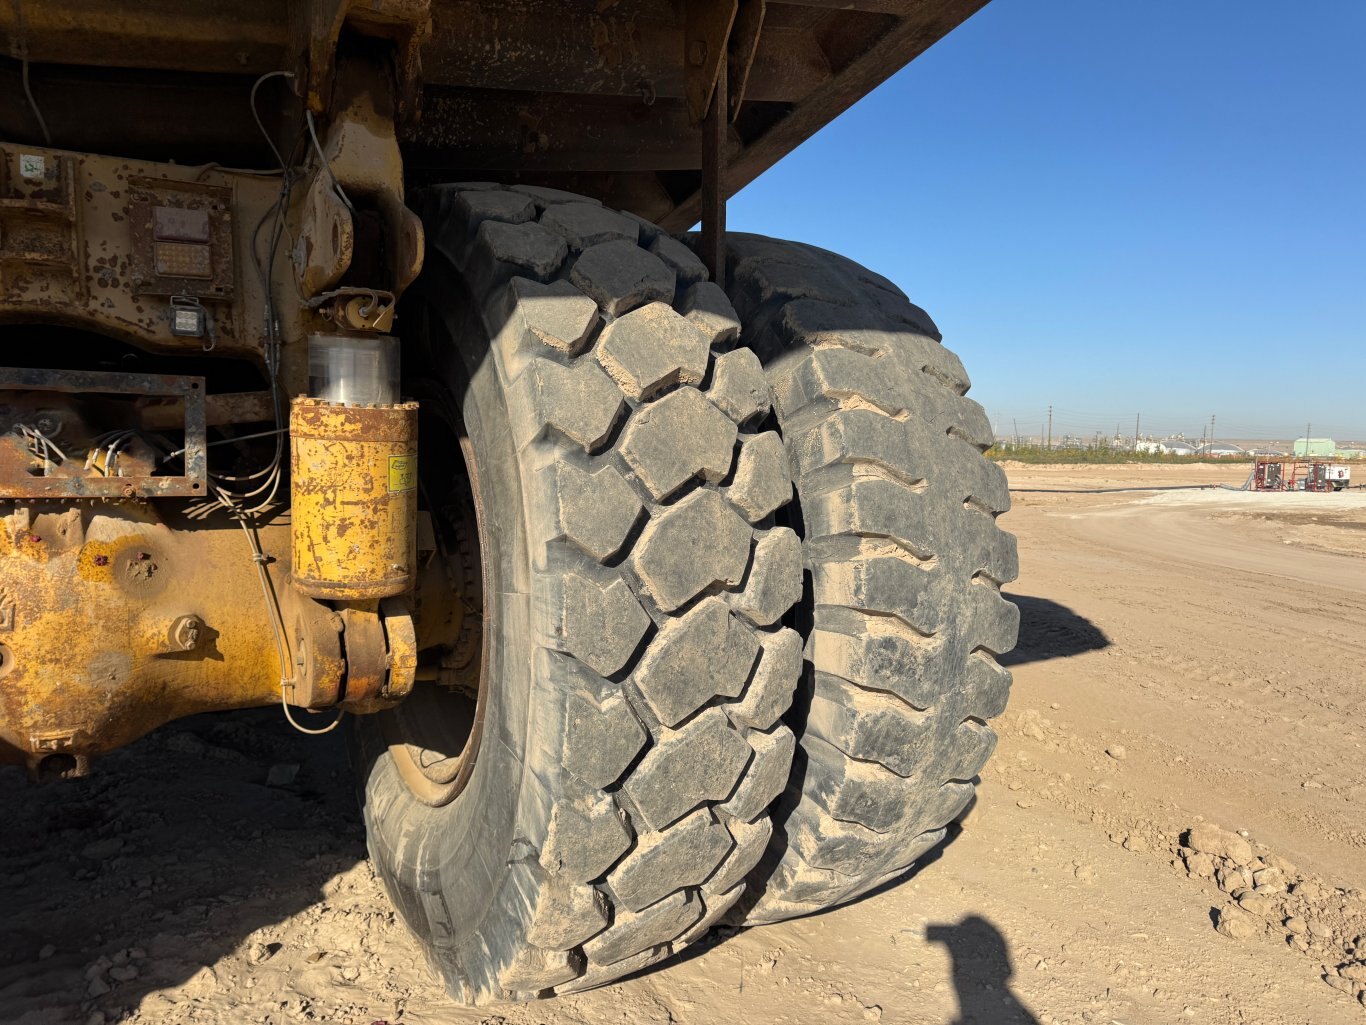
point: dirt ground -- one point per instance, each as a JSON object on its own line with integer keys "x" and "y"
{"x": 1187, "y": 657}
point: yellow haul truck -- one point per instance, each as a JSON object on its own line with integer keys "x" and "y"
{"x": 357, "y": 360}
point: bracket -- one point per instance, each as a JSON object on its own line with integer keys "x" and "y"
{"x": 317, "y": 26}
{"x": 81, "y": 382}
{"x": 740, "y": 51}
{"x": 706, "y": 35}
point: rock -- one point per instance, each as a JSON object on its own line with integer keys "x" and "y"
{"x": 1268, "y": 880}
{"x": 1136, "y": 843}
{"x": 1356, "y": 972}
{"x": 260, "y": 953}
{"x": 97, "y": 987}
{"x": 1296, "y": 925}
{"x": 1288, "y": 870}
{"x": 1085, "y": 873}
{"x": 47, "y": 951}
{"x": 1030, "y": 725}
{"x": 282, "y": 775}
{"x": 350, "y": 973}
{"x": 1340, "y": 984}
{"x": 201, "y": 983}
{"x": 1210, "y": 839}
{"x": 1236, "y": 924}
{"x": 1201, "y": 866}
{"x": 1117, "y": 752}
{"x": 1255, "y": 903}
{"x": 1308, "y": 889}
{"x": 123, "y": 973}
{"x": 95, "y": 1018}
{"x": 1231, "y": 878}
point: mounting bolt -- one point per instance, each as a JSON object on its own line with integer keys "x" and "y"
{"x": 185, "y": 633}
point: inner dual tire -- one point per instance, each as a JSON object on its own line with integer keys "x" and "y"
{"x": 612, "y": 791}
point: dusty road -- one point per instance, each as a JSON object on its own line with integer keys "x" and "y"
{"x": 1186, "y": 657}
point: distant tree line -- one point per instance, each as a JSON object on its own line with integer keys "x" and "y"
{"x": 1102, "y": 451}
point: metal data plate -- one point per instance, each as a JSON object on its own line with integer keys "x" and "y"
{"x": 79, "y": 382}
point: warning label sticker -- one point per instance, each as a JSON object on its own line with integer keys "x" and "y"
{"x": 402, "y": 473}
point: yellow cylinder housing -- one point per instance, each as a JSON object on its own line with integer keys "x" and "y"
{"x": 354, "y": 489}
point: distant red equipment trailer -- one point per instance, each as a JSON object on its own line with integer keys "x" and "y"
{"x": 1300, "y": 475}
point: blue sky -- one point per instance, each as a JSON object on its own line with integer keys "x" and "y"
{"x": 1117, "y": 207}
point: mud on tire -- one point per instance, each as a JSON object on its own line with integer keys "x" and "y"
{"x": 635, "y": 586}
{"x": 897, "y": 508}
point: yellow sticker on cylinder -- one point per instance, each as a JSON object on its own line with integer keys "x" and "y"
{"x": 402, "y": 473}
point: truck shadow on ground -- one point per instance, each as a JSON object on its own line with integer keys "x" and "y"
{"x": 176, "y": 849}
{"x": 1049, "y": 630}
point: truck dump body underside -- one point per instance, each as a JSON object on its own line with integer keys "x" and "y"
{"x": 595, "y": 97}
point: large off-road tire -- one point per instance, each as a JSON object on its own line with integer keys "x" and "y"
{"x": 904, "y": 617}
{"x": 613, "y": 789}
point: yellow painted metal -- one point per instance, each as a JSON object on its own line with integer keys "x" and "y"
{"x": 354, "y": 484}
{"x": 112, "y": 623}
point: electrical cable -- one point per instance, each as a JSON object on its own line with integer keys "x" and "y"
{"x": 279, "y": 158}
{"x": 259, "y": 557}
{"x": 228, "y": 441}
{"x": 322, "y": 158}
{"x": 33, "y": 104}
{"x": 23, "y": 70}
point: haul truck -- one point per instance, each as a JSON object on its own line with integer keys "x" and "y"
{"x": 358, "y": 361}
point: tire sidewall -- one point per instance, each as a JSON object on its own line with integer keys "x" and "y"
{"x": 453, "y": 865}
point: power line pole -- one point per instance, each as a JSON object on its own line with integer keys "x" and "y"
{"x": 1016, "y": 424}
{"x": 1137, "y": 416}
{"x": 1050, "y": 426}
